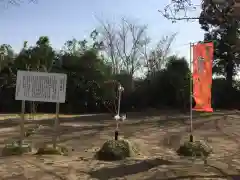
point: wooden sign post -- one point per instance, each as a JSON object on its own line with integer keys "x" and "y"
{"x": 42, "y": 87}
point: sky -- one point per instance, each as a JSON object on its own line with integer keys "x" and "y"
{"x": 62, "y": 20}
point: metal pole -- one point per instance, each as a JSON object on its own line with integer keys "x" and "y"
{"x": 22, "y": 124}
{"x": 118, "y": 112}
{"x": 191, "y": 94}
{"x": 119, "y": 102}
{"x": 56, "y": 123}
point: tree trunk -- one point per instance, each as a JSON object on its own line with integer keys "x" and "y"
{"x": 229, "y": 73}
{"x": 229, "y": 81}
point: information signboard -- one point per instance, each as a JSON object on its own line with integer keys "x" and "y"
{"x": 41, "y": 86}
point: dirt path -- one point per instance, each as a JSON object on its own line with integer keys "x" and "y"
{"x": 158, "y": 160}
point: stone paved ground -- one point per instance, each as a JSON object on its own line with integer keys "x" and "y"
{"x": 156, "y": 139}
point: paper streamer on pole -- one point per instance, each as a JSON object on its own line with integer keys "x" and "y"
{"x": 202, "y": 76}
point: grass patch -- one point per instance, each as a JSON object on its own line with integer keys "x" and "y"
{"x": 195, "y": 149}
{"x": 48, "y": 149}
{"x": 37, "y": 116}
{"x": 206, "y": 114}
{"x": 9, "y": 116}
{"x": 15, "y": 149}
{"x": 113, "y": 150}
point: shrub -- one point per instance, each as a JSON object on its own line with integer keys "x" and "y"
{"x": 116, "y": 150}
{"x": 14, "y": 148}
{"x": 196, "y": 148}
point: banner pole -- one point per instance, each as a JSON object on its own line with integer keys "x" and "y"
{"x": 191, "y": 94}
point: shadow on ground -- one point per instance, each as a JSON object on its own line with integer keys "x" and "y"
{"x": 125, "y": 170}
{"x": 9, "y": 122}
{"x": 158, "y": 177}
{"x": 143, "y": 166}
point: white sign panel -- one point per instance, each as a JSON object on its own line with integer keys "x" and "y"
{"x": 40, "y": 86}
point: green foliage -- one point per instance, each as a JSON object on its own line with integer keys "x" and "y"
{"x": 116, "y": 150}
{"x": 168, "y": 87}
{"x": 37, "y": 58}
{"x": 195, "y": 149}
{"x": 222, "y": 28}
{"x": 92, "y": 80}
{"x": 6, "y": 56}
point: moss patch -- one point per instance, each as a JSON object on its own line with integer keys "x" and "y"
{"x": 113, "y": 150}
{"x": 49, "y": 150}
{"x": 15, "y": 149}
{"x": 195, "y": 149}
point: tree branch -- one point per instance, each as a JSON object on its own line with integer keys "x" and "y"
{"x": 173, "y": 18}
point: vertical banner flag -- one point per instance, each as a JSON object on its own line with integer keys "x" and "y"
{"x": 202, "y": 76}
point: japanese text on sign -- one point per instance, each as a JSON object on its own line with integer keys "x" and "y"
{"x": 39, "y": 86}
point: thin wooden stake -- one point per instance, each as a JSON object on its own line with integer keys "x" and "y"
{"x": 22, "y": 124}
{"x": 56, "y": 125}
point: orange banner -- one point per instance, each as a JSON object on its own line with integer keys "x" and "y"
{"x": 202, "y": 76}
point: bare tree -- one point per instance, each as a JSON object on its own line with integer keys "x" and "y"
{"x": 130, "y": 43}
{"x": 156, "y": 58}
{"x": 179, "y": 10}
{"x": 109, "y": 39}
{"x": 145, "y": 54}
{"x": 124, "y": 44}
